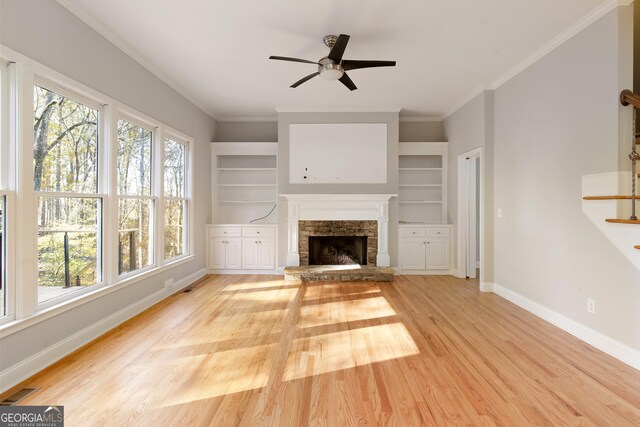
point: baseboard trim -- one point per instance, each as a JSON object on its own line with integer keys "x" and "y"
{"x": 487, "y": 287}
{"x": 612, "y": 347}
{"x": 22, "y": 371}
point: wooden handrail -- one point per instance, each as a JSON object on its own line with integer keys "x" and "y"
{"x": 627, "y": 97}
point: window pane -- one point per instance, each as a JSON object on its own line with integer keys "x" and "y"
{"x": 174, "y": 171}
{"x": 68, "y": 245}
{"x": 65, "y": 153}
{"x": 135, "y": 248}
{"x": 175, "y": 212}
{"x": 134, "y": 160}
{"x": 3, "y": 244}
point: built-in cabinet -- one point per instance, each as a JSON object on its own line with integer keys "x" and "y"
{"x": 422, "y": 192}
{"x": 241, "y": 247}
{"x": 425, "y": 249}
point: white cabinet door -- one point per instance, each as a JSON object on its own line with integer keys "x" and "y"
{"x": 412, "y": 254}
{"x": 217, "y": 249}
{"x": 267, "y": 248}
{"x": 233, "y": 251}
{"x": 438, "y": 254}
{"x": 250, "y": 254}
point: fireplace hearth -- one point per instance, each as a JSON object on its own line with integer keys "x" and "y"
{"x": 337, "y": 250}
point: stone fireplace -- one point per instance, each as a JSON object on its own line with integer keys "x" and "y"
{"x": 338, "y": 215}
{"x": 347, "y": 244}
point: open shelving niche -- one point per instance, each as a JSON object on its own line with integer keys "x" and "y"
{"x": 422, "y": 196}
{"x": 244, "y": 182}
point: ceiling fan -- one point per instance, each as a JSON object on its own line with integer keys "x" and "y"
{"x": 332, "y": 66}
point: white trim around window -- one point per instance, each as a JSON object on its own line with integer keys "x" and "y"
{"x": 17, "y": 180}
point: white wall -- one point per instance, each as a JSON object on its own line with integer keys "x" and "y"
{"x": 49, "y": 34}
{"x": 555, "y": 122}
{"x": 468, "y": 128}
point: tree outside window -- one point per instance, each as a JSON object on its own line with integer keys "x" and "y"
{"x": 65, "y": 164}
{"x": 135, "y": 204}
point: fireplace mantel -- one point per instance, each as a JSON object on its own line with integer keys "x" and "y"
{"x": 326, "y": 207}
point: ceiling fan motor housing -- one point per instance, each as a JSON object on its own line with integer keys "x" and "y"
{"x": 330, "y": 70}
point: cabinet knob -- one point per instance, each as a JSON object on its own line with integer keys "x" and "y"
{"x": 255, "y": 241}
{"x": 413, "y": 232}
{"x": 257, "y": 232}
{"x": 224, "y": 232}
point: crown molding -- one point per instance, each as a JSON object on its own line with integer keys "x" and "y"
{"x": 464, "y": 101}
{"x": 337, "y": 110}
{"x": 131, "y": 52}
{"x": 248, "y": 119}
{"x": 420, "y": 118}
{"x": 583, "y": 23}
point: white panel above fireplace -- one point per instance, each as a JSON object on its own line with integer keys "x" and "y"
{"x": 338, "y": 153}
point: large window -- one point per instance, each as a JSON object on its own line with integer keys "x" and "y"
{"x": 65, "y": 165}
{"x": 135, "y": 201}
{"x": 176, "y": 203}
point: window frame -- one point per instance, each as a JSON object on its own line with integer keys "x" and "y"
{"x": 187, "y": 142}
{"x": 137, "y": 119}
{"x": 7, "y": 182}
{"x": 100, "y": 195}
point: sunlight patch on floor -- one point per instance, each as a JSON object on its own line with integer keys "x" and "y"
{"x": 258, "y": 285}
{"x": 344, "y": 311}
{"x": 221, "y": 329}
{"x": 348, "y": 349}
{"x": 221, "y": 373}
{"x": 324, "y": 290}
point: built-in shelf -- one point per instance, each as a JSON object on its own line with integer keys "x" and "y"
{"x": 245, "y": 182}
{"x": 422, "y": 182}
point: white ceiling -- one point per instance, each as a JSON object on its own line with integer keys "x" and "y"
{"x": 215, "y": 51}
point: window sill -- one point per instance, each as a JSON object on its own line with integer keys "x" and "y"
{"x": 45, "y": 313}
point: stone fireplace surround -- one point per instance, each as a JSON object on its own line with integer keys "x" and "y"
{"x": 307, "y": 228}
{"x": 338, "y": 207}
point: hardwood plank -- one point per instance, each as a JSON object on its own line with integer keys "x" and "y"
{"x": 256, "y": 350}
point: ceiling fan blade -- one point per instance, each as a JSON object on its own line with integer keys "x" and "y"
{"x": 338, "y": 49}
{"x": 354, "y": 65}
{"x": 286, "y": 58}
{"x": 348, "y": 82}
{"x": 304, "y": 79}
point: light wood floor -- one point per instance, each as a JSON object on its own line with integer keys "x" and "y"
{"x": 255, "y": 350}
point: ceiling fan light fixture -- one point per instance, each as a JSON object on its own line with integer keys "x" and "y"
{"x": 331, "y": 73}
{"x": 330, "y": 70}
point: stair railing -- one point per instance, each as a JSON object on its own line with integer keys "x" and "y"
{"x": 629, "y": 98}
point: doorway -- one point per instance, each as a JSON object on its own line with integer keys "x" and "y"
{"x": 469, "y": 213}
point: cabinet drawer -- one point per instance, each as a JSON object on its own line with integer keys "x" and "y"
{"x": 224, "y": 232}
{"x": 258, "y": 232}
{"x": 438, "y": 232}
{"x": 412, "y": 232}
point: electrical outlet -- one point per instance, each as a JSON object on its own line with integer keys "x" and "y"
{"x": 591, "y": 306}
{"x": 168, "y": 283}
{"x": 499, "y": 213}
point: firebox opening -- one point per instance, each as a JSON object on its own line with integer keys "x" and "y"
{"x": 337, "y": 250}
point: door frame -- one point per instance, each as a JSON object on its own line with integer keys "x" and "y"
{"x": 463, "y": 212}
